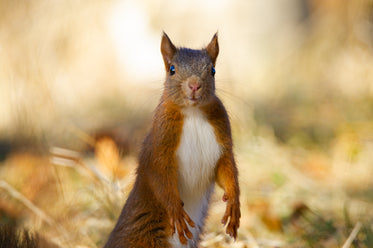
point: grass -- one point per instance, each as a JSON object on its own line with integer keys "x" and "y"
{"x": 288, "y": 200}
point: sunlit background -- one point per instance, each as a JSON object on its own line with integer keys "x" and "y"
{"x": 79, "y": 81}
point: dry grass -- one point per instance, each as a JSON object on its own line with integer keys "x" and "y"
{"x": 288, "y": 200}
{"x": 297, "y": 83}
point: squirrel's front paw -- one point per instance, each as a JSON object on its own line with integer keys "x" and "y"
{"x": 232, "y": 211}
{"x": 179, "y": 219}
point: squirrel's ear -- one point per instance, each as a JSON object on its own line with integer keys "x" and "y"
{"x": 213, "y": 48}
{"x": 168, "y": 50}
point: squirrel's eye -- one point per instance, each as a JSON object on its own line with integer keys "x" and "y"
{"x": 213, "y": 71}
{"x": 172, "y": 70}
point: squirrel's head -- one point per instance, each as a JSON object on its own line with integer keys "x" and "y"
{"x": 190, "y": 73}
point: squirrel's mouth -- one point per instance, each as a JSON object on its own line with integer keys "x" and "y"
{"x": 194, "y": 98}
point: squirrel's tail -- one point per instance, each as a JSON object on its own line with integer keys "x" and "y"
{"x": 10, "y": 237}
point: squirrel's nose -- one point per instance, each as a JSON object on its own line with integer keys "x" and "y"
{"x": 194, "y": 86}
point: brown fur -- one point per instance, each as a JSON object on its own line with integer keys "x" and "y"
{"x": 154, "y": 210}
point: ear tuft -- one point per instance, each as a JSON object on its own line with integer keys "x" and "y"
{"x": 168, "y": 50}
{"x": 213, "y": 48}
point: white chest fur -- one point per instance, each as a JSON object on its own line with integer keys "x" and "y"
{"x": 197, "y": 155}
{"x": 198, "y": 151}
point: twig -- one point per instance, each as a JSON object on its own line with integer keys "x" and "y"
{"x": 352, "y": 236}
{"x": 17, "y": 195}
{"x": 26, "y": 202}
{"x": 270, "y": 243}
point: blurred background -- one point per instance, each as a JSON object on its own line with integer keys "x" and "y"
{"x": 79, "y": 81}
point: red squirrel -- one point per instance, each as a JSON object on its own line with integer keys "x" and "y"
{"x": 187, "y": 150}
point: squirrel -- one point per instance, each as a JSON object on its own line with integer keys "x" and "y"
{"x": 187, "y": 150}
